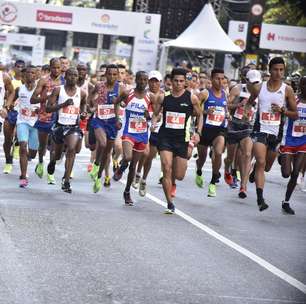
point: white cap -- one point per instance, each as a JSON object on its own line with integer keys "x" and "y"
{"x": 253, "y": 76}
{"x": 155, "y": 74}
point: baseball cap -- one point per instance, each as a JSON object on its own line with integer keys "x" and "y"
{"x": 155, "y": 74}
{"x": 253, "y": 76}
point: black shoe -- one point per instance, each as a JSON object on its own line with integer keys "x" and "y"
{"x": 66, "y": 186}
{"x": 127, "y": 199}
{"x": 170, "y": 208}
{"x": 287, "y": 209}
{"x": 262, "y": 205}
{"x": 219, "y": 176}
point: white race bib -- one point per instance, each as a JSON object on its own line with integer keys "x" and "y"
{"x": 299, "y": 128}
{"x": 175, "y": 120}
{"x": 106, "y": 111}
{"x": 270, "y": 119}
{"x": 217, "y": 117}
{"x": 69, "y": 115}
{"x": 137, "y": 125}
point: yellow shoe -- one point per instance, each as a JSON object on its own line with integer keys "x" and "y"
{"x": 8, "y": 168}
{"x": 16, "y": 152}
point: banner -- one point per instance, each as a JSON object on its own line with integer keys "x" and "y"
{"x": 143, "y": 27}
{"x": 238, "y": 31}
{"x": 283, "y": 38}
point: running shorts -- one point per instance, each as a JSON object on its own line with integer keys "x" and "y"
{"x": 44, "y": 127}
{"x": 138, "y": 146}
{"x": 26, "y": 133}
{"x": 59, "y": 132}
{"x": 210, "y": 134}
{"x": 269, "y": 140}
{"x": 109, "y": 129}
{"x": 292, "y": 150}
{"x": 179, "y": 149}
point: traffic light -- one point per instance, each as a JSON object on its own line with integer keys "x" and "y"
{"x": 254, "y": 28}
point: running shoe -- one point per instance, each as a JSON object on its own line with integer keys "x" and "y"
{"x": 7, "y": 168}
{"x": 107, "y": 181}
{"x": 228, "y": 178}
{"x": 212, "y": 190}
{"x": 262, "y": 205}
{"x": 173, "y": 190}
{"x": 51, "y": 179}
{"x": 199, "y": 181}
{"x": 142, "y": 188}
{"x": 23, "y": 182}
{"x": 71, "y": 175}
{"x": 66, "y": 186}
{"x": 127, "y": 199}
{"x": 234, "y": 184}
{"x": 287, "y": 209}
{"x": 39, "y": 170}
{"x": 135, "y": 183}
{"x": 117, "y": 175}
{"x": 97, "y": 185}
{"x": 170, "y": 209}
{"x": 242, "y": 193}
{"x": 16, "y": 152}
{"x": 115, "y": 165}
{"x": 238, "y": 175}
{"x": 89, "y": 167}
{"x": 94, "y": 172}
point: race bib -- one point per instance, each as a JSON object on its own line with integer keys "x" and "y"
{"x": 137, "y": 125}
{"x": 217, "y": 117}
{"x": 175, "y": 120}
{"x": 106, "y": 111}
{"x": 270, "y": 119}
{"x": 299, "y": 128}
{"x": 69, "y": 115}
{"x": 240, "y": 113}
{"x": 27, "y": 113}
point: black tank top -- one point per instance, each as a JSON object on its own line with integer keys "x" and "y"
{"x": 177, "y": 112}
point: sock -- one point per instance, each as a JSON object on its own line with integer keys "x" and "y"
{"x": 214, "y": 178}
{"x": 199, "y": 172}
{"x": 259, "y": 193}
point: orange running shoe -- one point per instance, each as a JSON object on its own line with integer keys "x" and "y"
{"x": 228, "y": 178}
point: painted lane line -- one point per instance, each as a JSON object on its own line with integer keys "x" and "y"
{"x": 258, "y": 260}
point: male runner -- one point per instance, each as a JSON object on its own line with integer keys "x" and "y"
{"x": 214, "y": 129}
{"x": 27, "y": 115}
{"x": 293, "y": 147}
{"x": 174, "y": 134}
{"x": 69, "y": 101}
{"x": 275, "y": 100}
{"x": 135, "y": 132}
{"x": 240, "y": 127}
{"x": 65, "y": 63}
{"x": 46, "y": 120}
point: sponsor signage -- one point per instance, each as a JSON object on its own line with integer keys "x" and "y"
{"x": 283, "y": 38}
{"x": 8, "y": 12}
{"x": 53, "y": 17}
{"x": 237, "y": 31}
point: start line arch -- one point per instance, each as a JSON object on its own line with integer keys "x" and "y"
{"x": 142, "y": 26}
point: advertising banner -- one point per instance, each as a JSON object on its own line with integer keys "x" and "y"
{"x": 238, "y": 31}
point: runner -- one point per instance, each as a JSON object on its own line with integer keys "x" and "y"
{"x": 135, "y": 131}
{"x": 46, "y": 120}
{"x": 145, "y": 161}
{"x": 275, "y": 100}
{"x": 104, "y": 123}
{"x": 174, "y": 134}
{"x": 27, "y": 115}
{"x": 214, "y": 129}
{"x": 293, "y": 147}
{"x": 7, "y": 94}
{"x": 65, "y": 64}
{"x": 69, "y": 101}
{"x": 240, "y": 128}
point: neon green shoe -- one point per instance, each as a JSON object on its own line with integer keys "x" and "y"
{"x": 212, "y": 190}
{"x": 39, "y": 170}
{"x": 238, "y": 176}
{"x": 97, "y": 185}
{"x": 8, "y": 168}
{"x": 199, "y": 181}
{"x": 51, "y": 179}
{"x": 94, "y": 172}
{"x": 16, "y": 152}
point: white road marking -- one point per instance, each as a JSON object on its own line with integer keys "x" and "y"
{"x": 258, "y": 260}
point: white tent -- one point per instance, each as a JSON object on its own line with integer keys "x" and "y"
{"x": 204, "y": 33}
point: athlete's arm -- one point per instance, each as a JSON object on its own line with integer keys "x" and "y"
{"x": 197, "y": 112}
{"x": 203, "y": 96}
{"x": 234, "y": 93}
{"x": 9, "y": 91}
{"x": 291, "y": 110}
{"x": 37, "y": 92}
{"x": 83, "y": 105}
{"x": 123, "y": 94}
{"x": 52, "y": 105}
{"x": 91, "y": 100}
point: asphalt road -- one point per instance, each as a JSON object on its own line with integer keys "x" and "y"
{"x": 89, "y": 248}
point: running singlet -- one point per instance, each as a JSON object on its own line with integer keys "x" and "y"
{"x": 136, "y": 125}
{"x": 2, "y": 93}
{"x": 27, "y": 112}
{"x": 177, "y": 113}
{"x": 106, "y": 107}
{"x": 267, "y": 121}
{"x": 43, "y": 115}
{"x": 295, "y": 130}
{"x": 218, "y": 117}
{"x": 69, "y": 115}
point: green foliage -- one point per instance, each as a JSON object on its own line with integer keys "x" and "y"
{"x": 287, "y": 12}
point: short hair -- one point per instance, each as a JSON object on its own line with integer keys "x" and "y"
{"x": 19, "y": 61}
{"x": 103, "y": 65}
{"x": 178, "y": 71}
{"x": 276, "y": 60}
{"x": 167, "y": 76}
{"x": 216, "y": 71}
{"x": 45, "y": 67}
{"x": 121, "y": 66}
{"x": 31, "y": 66}
{"x": 130, "y": 72}
{"x": 139, "y": 73}
{"x": 111, "y": 66}
{"x": 53, "y": 60}
{"x": 63, "y": 57}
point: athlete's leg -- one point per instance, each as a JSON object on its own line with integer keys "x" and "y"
{"x": 148, "y": 162}
{"x": 179, "y": 167}
{"x": 166, "y": 158}
{"x": 72, "y": 143}
{"x": 218, "y": 148}
{"x": 230, "y": 156}
{"x": 43, "y": 142}
{"x": 202, "y": 154}
{"x": 270, "y": 158}
{"x": 136, "y": 156}
{"x": 8, "y": 132}
{"x": 246, "y": 146}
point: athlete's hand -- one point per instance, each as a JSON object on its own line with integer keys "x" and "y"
{"x": 210, "y": 110}
{"x": 276, "y": 108}
{"x": 118, "y": 124}
{"x": 68, "y": 102}
{"x": 3, "y": 113}
{"x": 83, "y": 115}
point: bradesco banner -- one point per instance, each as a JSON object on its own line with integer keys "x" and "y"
{"x": 143, "y": 27}
{"x": 283, "y": 38}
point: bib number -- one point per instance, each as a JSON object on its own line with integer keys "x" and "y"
{"x": 217, "y": 117}
{"x": 106, "y": 111}
{"x": 270, "y": 119}
{"x": 175, "y": 120}
{"x": 242, "y": 113}
{"x": 27, "y": 113}
{"x": 69, "y": 115}
{"x": 137, "y": 125}
{"x": 299, "y": 128}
